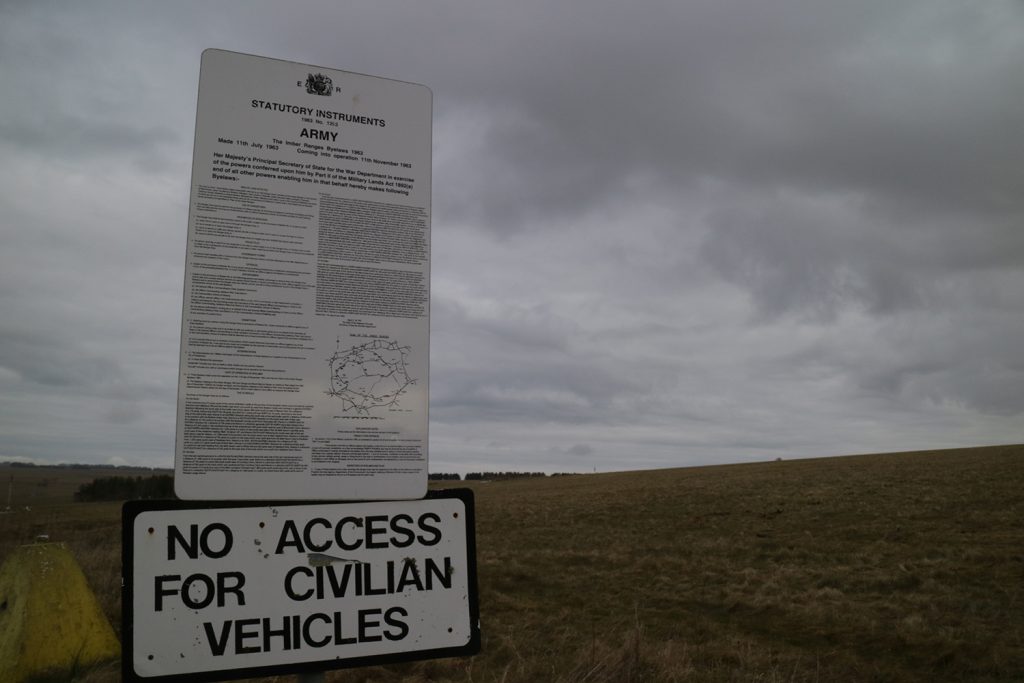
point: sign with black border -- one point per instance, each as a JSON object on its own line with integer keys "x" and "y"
{"x": 218, "y": 590}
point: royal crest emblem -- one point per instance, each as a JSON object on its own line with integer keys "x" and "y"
{"x": 319, "y": 85}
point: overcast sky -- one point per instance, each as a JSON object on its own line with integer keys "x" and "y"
{"x": 664, "y": 233}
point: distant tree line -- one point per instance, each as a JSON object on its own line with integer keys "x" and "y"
{"x": 493, "y": 476}
{"x": 74, "y": 466}
{"x": 127, "y": 488}
{"x": 161, "y": 486}
{"x": 478, "y": 476}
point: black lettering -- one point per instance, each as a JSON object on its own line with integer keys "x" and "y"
{"x": 398, "y": 526}
{"x": 342, "y": 543}
{"x": 284, "y": 633}
{"x": 305, "y": 630}
{"x": 443, "y": 576}
{"x": 365, "y": 625}
{"x": 290, "y": 590}
{"x": 375, "y": 526}
{"x": 159, "y": 589}
{"x": 208, "y": 591}
{"x": 241, "y": 636}
{"x": 204, "y": 540}
{"x": 391, "y": 620}
{"x": 307, "y": 535}
{"x": 434, "y": 532}
{"x": 339, "y": 638}
{"x": 191, "y": 547}
{"x": 289, "y": 537}
{"x": 316, "y": 134}
{"x": 338, "y": 589}
{"x": 217, "y": 645}
{"x": 410, "y": 576}
{"x": 368, "y": 588}
{"x": 223, "y": 588}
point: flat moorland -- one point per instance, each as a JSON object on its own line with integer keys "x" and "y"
{"x": 890, "y": 567}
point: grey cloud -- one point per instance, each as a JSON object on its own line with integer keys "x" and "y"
{"x": 764, "y": 96}
{"x": 523, "y": 366}
{"x": 668, "y": 232}
{"x": 125, "y": 413}
{"x": 52, "y": 363}
{"x": 811, "y": 257}
{"x": 555, "y": 389}
{"x": 84, "y": 138}
{"x": 536, "y": 327}
{"x": 49, "y": 364}
{"x": 819, "y": 254}
{"x": 89, "y": 99}
{"x": 967, "y": 360}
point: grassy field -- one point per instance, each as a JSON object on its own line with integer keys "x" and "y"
{"x": 895, "y": 567}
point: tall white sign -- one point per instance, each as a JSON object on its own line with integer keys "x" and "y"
{"x": 305, "y": 327}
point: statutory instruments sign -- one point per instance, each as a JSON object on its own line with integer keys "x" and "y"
{"x": 305, "y": 324}
{"x": 229, "y": 590}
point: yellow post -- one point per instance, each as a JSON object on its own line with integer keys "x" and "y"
{"x": 50, "y": 622}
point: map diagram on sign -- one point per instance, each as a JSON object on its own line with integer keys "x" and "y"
{"x": 370, "y": 375}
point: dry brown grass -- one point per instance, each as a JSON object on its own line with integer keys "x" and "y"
{"x": 900, "y": 567}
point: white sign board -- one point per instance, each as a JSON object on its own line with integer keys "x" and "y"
{"x": 305, "y": 324}
{"x": 237, "y": 591}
